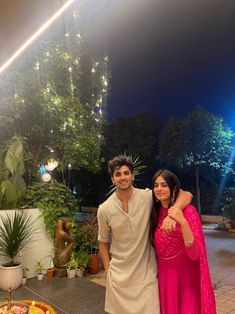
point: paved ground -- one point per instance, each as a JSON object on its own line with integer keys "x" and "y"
{"x": 221, "y": 256}
{"x": 86, "y": 295}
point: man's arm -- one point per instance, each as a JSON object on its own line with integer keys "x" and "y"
{"x": 184, "y": 198}
{"x": 104, "y": 253}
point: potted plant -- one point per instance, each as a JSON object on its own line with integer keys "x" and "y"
{"x": 16, "y": 232}
{"x": 71, "y": 267}
{"x": 40, "y": 268}
{"x": 91, "y": 229}
{"x": 82, "y": 258}
{"x": 24, "y": 279}
{"x": 50, "y": 270}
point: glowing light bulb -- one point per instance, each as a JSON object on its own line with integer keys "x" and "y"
{"x": 46, "y": 177}
{"x": 51, "y": 164}
{"x": 105, "y": 83}
{"x": 37, "y": 66}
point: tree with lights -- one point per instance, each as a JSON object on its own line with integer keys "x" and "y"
{"x": 56, "y": 98}
{"x": 200, "y": 141}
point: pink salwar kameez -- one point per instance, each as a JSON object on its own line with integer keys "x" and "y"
{"x": 184, "y": 279}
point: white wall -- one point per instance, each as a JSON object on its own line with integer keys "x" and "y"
{"x": 41, "y": 247}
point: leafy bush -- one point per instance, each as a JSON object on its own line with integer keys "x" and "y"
{"x": 12, "y": 185}
{"x": 78, "y": 260}
{"x": 228, "y": 203}
{"x": 54, "y": 199}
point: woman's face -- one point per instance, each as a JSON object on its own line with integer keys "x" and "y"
{"x": 162, "y": 191}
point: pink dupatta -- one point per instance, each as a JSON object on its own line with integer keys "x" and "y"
{"x": 172, "y": 244}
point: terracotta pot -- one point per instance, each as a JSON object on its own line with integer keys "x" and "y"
{"x": 93, "y": 266}
{"x": 50, "y": 272}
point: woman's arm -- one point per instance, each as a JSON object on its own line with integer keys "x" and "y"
{"x": 190, "y": 242}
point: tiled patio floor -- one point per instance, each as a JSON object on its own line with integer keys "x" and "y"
{"x": 86, "y": 295}
{"x": 221, "y": 256}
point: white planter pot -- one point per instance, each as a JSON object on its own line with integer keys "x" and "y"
{"x": 10, "y": 277}
{"x": 71, "y": 273}
{"x": 24, "y": 280}
{"x": 40, "y": 276}
{"x": 79, "y": 272}
{"x": 40, "y": 247}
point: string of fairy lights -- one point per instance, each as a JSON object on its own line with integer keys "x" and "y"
{"x": 100, "y": 84}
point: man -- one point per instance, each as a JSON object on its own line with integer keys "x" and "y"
{"x": 128, "y": 257}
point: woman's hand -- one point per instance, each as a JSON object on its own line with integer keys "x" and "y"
{"x": 176, "y": 214}
{"x": 168, "y": 225}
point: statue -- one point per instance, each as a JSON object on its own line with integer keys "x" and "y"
{"x": 64, "y": 245}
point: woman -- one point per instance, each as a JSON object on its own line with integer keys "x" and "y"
{"x": 183, "y": 274}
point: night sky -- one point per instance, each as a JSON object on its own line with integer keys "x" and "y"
{"x": 166, "y": 55}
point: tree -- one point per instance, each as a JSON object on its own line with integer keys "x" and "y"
{"x": 200, "y": 141}
{"x": 55, "y": 99}
{"x": 135, "y": 136}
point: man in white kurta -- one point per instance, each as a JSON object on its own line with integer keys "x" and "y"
{"x": 132, "y": 286}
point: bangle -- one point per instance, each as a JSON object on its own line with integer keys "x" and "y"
{"x": 188, "y": 243}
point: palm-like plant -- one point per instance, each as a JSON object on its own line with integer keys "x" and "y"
{"x": 16, "y": 232}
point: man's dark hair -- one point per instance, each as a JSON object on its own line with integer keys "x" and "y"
{"x": 119, "y": 161}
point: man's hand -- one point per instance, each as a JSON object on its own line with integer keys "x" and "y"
{"x": 168, "y": 225}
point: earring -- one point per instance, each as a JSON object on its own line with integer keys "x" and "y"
{"x": 173, "y": 197}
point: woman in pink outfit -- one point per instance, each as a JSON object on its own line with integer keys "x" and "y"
{"x": 184, "y": 279}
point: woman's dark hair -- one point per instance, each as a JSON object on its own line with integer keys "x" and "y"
{"x": 174, "y": 186}
{"x": 119, "y": 161}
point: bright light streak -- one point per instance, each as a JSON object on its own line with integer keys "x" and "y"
{"x": 35, "y": 35}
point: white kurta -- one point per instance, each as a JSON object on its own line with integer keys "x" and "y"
{"x": 132, "y": 286}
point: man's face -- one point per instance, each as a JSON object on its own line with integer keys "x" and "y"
{"x": 122, "y": 178}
